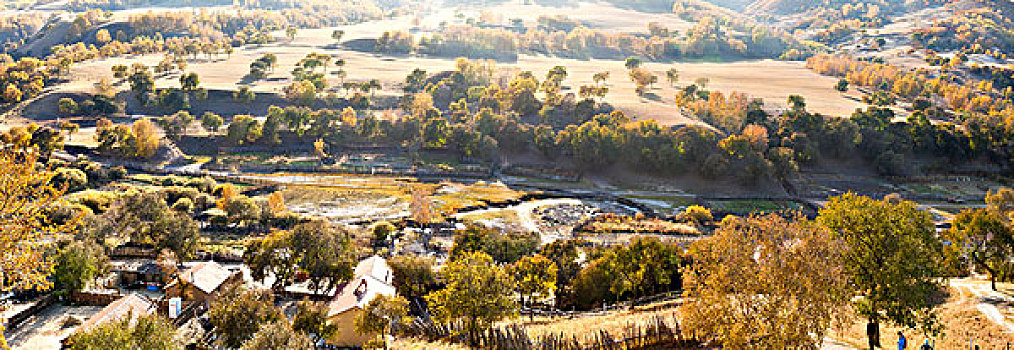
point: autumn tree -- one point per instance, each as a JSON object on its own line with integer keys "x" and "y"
{"x": 984, "y": 238}
{"x": 890, "y": 260}
{"x": 145, "y": 138}
{"x": 238, "y": 315}
{"x": 1001, "y": 202}
{"x": 478, "y": 294}
{"x": 380, "y": 315}
{"x": 535, "y": 276}
{"x": 302, "y": 92}
{"x": 765, "y": 283}
{"x": 25, "y": 195}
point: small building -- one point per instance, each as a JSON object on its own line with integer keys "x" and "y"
{"x": 203, "y": 282}
{"x": 133, "y": 304}
{"x": 135, "y": 272}
{"x": 373, "y": 277}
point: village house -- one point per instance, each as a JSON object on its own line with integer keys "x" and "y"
{"x": 203, "y": 282}
{"x": 135, "y": 272}
{"x": 372, "y": 277}
{"x": 133, "y": 304}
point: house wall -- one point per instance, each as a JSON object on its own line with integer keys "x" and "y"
{"x": 346, "y": 334}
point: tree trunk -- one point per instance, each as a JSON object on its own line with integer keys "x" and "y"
{"x": 992, "y": 281}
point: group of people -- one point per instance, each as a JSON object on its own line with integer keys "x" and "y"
{"x": 903, "y": 343}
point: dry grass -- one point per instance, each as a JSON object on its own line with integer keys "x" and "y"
{"x": 961, "y": 321}
{"x": 417, "y": 344}
{"x": 614, "y": 322}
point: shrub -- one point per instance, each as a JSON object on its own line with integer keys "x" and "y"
{"x": 72, "y": 179}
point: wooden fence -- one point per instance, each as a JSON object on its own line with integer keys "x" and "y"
{"x": 19, "y": 318}
{"x": 656, "y": 334}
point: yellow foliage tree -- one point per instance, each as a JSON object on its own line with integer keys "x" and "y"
{"x": 25, "y": 197}
{"x": 145, "y": 137}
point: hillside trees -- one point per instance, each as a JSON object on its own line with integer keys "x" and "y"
{"x": 278, "y": 335}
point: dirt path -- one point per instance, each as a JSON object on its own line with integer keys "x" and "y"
{"x": 988, "y": 300}
{"x": 526, "y": 216}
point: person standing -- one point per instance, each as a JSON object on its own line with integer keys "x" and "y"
{"x": 902, "y": 342}
{"x": 873, "y": 334}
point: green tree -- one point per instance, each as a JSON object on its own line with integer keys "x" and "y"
{"x": 78, "y": 264}
{"x": 645, "y": 267}
{"x": 381, "y": 231}
{"x": 478, "y": 293}
{"x": 146, "y": 333}
{"x": 244, "y": 94}
{"x": 842, "y": 85}
{"x": 890, "y": 260}
{"x": 278, "y": 335}
{"x": 142, "y": 83}
{"x": 239, "y": 314}
{"x": 413, "y": 275}
{"x": 211, "y": 121}
{"x": 311, "y": 318}
{"x": 324, "y": 251}
{"x": 145, "y": 217}
{"x": 380, "y": 315}
{"x": 67, "y": 106}
{"x": 985, "y": 239}
{"x": 189, "y": 82}
{"x": 673, "y": 76}
{"x": 632, "y": 62}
